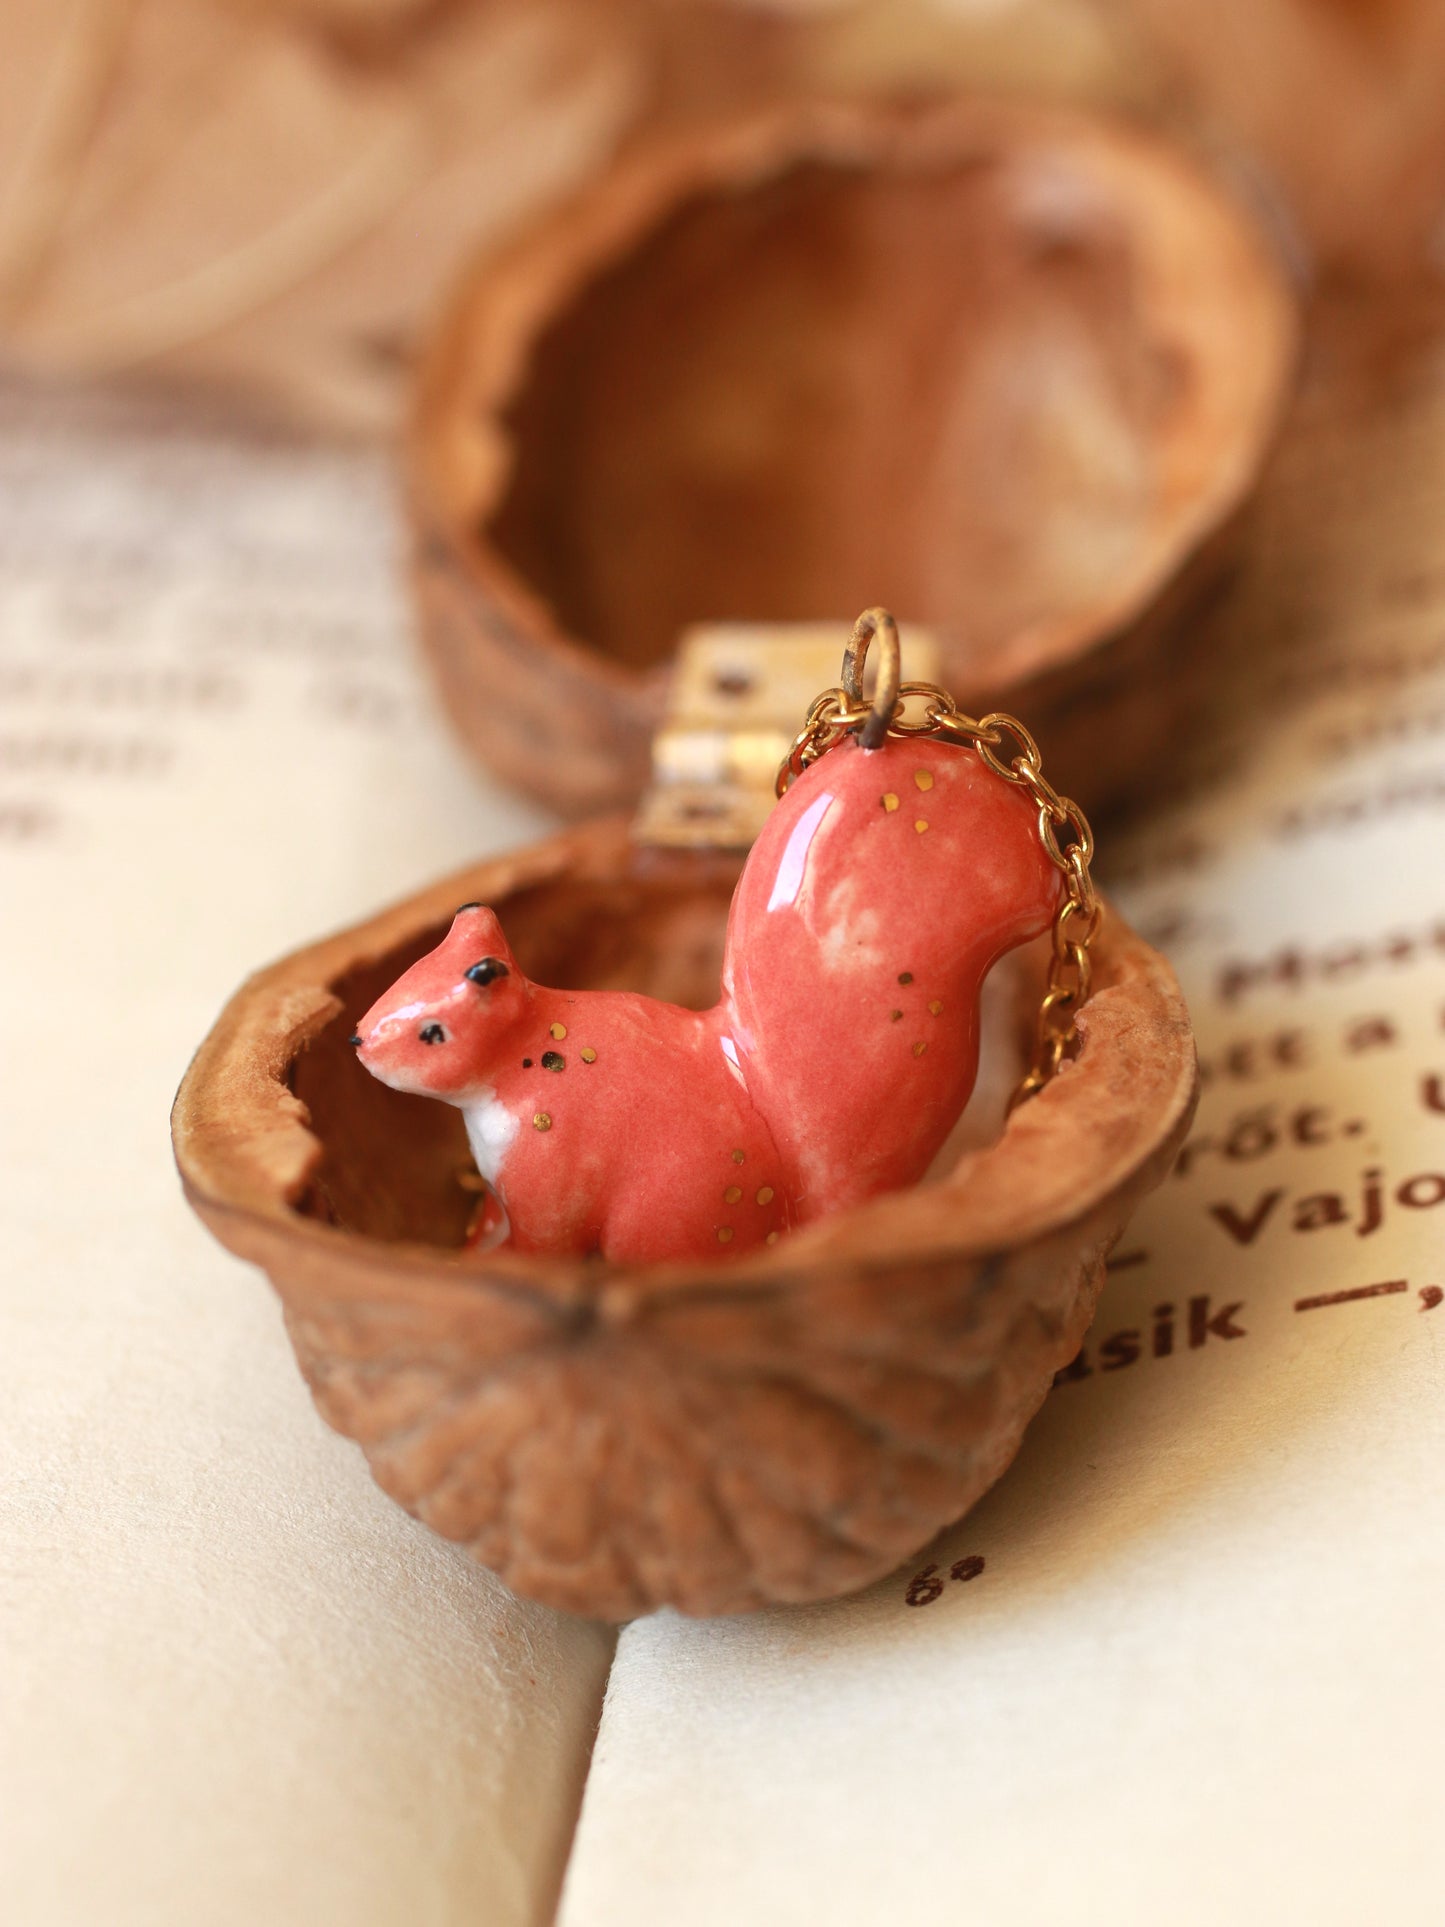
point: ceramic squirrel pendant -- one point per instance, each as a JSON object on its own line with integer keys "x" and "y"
{"x": 883, "y": 887}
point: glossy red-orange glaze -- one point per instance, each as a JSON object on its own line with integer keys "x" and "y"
{"x": 843, "y": 1049}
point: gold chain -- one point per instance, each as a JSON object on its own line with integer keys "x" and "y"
{"x": 1010, "y": 752}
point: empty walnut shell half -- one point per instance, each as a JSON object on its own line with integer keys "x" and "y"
{"x": 782, "y": 1428}
{"x": 1021, "y": 367}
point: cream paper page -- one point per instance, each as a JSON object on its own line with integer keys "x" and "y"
{"x": 1185, "y": 1663}
{"x": 237, "y": 1685}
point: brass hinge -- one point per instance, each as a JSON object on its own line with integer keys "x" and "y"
{"x": 739, "y": 695}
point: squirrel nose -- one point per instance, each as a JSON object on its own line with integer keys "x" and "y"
{"x": 354, "y": 1038}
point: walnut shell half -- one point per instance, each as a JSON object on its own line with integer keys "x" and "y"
{"x": 783, "y": 1428}
{"x": 1018, "y": 365}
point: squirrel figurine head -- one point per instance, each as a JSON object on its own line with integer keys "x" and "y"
{"x": 440, "y": 1024}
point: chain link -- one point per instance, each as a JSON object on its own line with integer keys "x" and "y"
{"x": 1008, "y": 749}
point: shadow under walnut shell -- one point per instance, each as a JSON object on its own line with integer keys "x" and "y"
{"x": 716, "y": 1437}
{"x": 1017, "y": 369}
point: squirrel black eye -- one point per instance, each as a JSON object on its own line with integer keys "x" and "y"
{"x": 432, "y": 1034}
{"x": 488, "y": 970}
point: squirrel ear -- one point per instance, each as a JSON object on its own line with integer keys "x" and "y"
{"x": 478, "y": 925}
{"x": 487, "y": 971}
{"x": 476, "y": 945}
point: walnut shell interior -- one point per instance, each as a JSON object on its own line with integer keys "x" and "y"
{"x": 1010, "y": 370}
{"x": 716, "y": 1437}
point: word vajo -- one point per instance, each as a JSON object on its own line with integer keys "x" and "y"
{"x": 1321, "y": 1210}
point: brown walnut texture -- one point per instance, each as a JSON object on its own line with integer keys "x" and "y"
{"x": 1020, "y": 366}
{"x": 717, "y": 1438}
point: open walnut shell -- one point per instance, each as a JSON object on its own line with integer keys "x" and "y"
{"x": 785, "y": 1427}
{"x": 1019, "y": 367}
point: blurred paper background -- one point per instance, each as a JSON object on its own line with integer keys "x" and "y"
{"x": 275, "y": 193}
